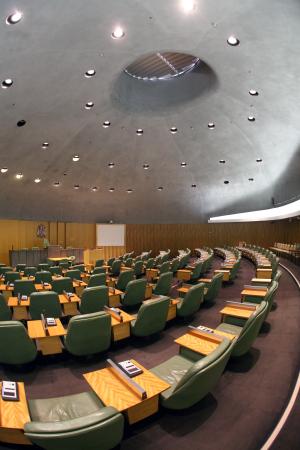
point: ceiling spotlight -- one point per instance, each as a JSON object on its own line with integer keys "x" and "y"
{"x": 193, "y": 185}
{"x": 111, "y": 189}
{"x": 173, "y": 130}
{"x": 232, "y": 40}
{"x": 222, "y": 161}
{"x": 90, "y": 73}
{"x": 94, "y": 189}
{"x": 251, "y": 118}
{"x": 146, "y": 166}
{"x": 183, "y": 164}
{"x": 45, "y": 145}
{"x": 6, "y": 83}
{"x": 188, "y": 6}
{"x": 160, "y": 188}
{"x": 211, "y": 125}
{"x": 19, "y": 176}
{"x": 139, "y": 131}
{"x": 111, "y": 165}
{"x": 129, "y": 191}
{"x": 56, "y": 183}
{"x": 118, "y": 33}
{"x": 76, "y": 158}
{"x": 76, "y": 186}
{"x": 226, "y": 182}
{"x": 259, "y": 160}
{"x": 14, "y": 18}
{"x": 250, "y": 179}
{"x": 21, "y": 123}
{"x": 89, "y": 105}
{"x": 4, "y": 170}
{"x": 253, "y": 92}
{"x": 37, "y": 180}
{"x": 106, "y": 124}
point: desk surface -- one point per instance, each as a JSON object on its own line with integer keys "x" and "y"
{"x": 114, "y": 391}
{"x": 15, "y": 414}
{"x": 254, "y": 292}
{"x": 199, "y": 342}
{"x": 125, "y": 316}
{"x": 243, "y": 313}
{"x": 63, "y": 299}
{"x": 61, "y": 258}
{"x": 36, "y": 329}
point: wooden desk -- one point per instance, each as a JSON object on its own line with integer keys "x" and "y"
{"x": 20, "y": 311}
{"x": 241, "y": 311}
{"x": 42, "y": 287}
{"x": 226, "y": 273}
{"x": 151, "y": 273}
{"x": 6, "y": 291}
{"x": 204, "y": 280}
{"x": 13, "y": 416}
{"x": 114, "y": 297}
{"x": 149, "y": 290}
{"x": 173, "y": 309}
{"x": 69, "y": 306}
{"x": 49, "y": 344}
{"x": 183, "y": 274}
{"x": 199, "y": 342}
{"x": 261, "y": 293}
{"x": 263, "y": 273}
{"x": 79, "y": 286}
{"x": 120, "y": 330}
{"x": 61, "y": 258}
{"x": 114, "y": 391}
{"x": 183, "y": 290}
{"x": 258, "y": 281}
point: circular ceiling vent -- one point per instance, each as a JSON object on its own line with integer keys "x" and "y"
{"x": 161, "y": 66}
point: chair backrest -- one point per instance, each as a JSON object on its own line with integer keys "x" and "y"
{"x": 43, "y": 276}
{"x": 30, "y": 271}
{"x": 64, "y": 264}
{"x": 88, "y": 334}
{"x": 16, "y": 347}
{"x": 74, "y": 274}
{"x": 152, "y": 317}
{"x": 99, "y": 262}
{"x": 99, "y": 270}
{"x": 135, "y": 292}
{"x": 128, "y": 262}
{"x": 165, "y": 267}
{"x": 197, "y": 271}
{"x": 124, "y": 278}
{"x": 55, "y": 270}
{"x": 150, "y": 263}
{"x": 45, "y": 302}
{"x": 43, "y": 266}
{"x": 24, "y": 287}
{"x": 269, "y": 298}
{"x": 20, "y": 267}
{"x": 93, "y": 299}
{"x": 110, "y": 261}
{"x": 5, "y": 269}
{"x": 61, "y": 285}
{"x": 191, "y": 301}
{"x": 5, "y": 312}
{"x": 80, "y": 267}
{"x": 99, "y": 279}
{"x": 116, "y": 267}
{"x": 164, "y": 283}
{"x": 138, "y": 268}
{"x": 277, "y": 275}
{"x": 10, "y": 277}
{"x": 174, "y": 265}
{"x": 200, "y": 378}
{"x": 213, "y": 287}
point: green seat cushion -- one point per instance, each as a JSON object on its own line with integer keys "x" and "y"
{"x": 64, "y": 408}
{"x": 172, "y": 370}
{"x": 229, "y": 328}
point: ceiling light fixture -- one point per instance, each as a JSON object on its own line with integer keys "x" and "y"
{"x": 111, "y": 189}
{"x": 90, "y": 73}
{"x": 222, "y": 161}
{"x": 211, "y": 125}
{"x": 94, "y": 189}
{"x": 232, "y": 40}
{"x": 45, "y": 145}
{"x": 19, "y": 176}
{"x": 226, "y": 182}
{"x": 129, "y": 191}
{"x": 89, "y": 105}
{"x": 21, "y": 123}
{"x": 118, "y": 33}
{"x": 188, "y": 6}
{"x": 250, "y": 179}
{"x": 111, "y": 165}
{"x": 139, "y": 131}
{"x": 251, "y": 118}
{"x": 106, "y": 124}
{"x": 76, "y": 186}
{"x": 183, "y": 164}
{"x": 259, "y": 160}
{"x": 56, "y": 183}
{"x": 8, "y": 82}
{"x": 37, "y": 180}
{"x": 193, "y": 185}
{"x": 173, "y": 130}
{"x": 160, "y": 188}
{"x": 4, "y": 169}
{"x": 146, "y": 166}
{"x": 14, "y": 18}
{"x": 75, "y": 158}
{"x": 253, "y": 92}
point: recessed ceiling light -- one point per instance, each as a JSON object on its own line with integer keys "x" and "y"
{"x": 4, "y": 169}
{"x": 173, "y": 130}
{"x": 94, "y": 189}
{"x": 259, "y": 160}
{"x": 90, "y": 73}
{"x": 253, "y": 92}
{"x": 19, "y": 176}
{"x": 37, "y": 180}
{"x": 160, "y": 188}
{"x": 56, "y": 183}
{"x": 232, "y": 40}
{"x": 146, "y": 166}
{"x": 222, "y": 161}
{"x": 89, "y": 105}
{"x": 111, "y": 189}
{"x": 193, "y": 185}
{"x": 75, "y": 158}
{"x": 111, "y": 165}
{"x": 183, "y": 164}
{"x": 250, "y": 179}
{"x": 21, "y": 123}
{"x": 106, "y": 124}
{"x": 211, "y": 125}
{"x": 6, "y": 83}
{"x": 76, "y": 186}
{"x": 139, "y": 131}
{"x": 118, "y": 33}
{"x": 188, "y": 6}
{"x": 45, "y": 145}
{"x": 226, "y": 182}
{"x": 129, "y": 191}
{"x": 14, "y": 18}
{"x": 251, "y": 118}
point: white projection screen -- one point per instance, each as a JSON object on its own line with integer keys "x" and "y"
{"x": 110, "y": 235}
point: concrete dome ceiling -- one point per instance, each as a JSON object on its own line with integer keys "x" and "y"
{"x": 46, "y": 55}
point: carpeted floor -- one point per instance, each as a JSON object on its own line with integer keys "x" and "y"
{"x": 240, "y": 412}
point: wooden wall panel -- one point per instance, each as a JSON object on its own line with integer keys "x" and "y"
{"x": 82, "y": 235}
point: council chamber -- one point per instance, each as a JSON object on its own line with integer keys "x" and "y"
{"x": 149, "y": 225}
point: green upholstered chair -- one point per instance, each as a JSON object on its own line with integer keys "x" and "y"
{"x": 164, "y": 284}
{"x": 43, "y": 266}
{"x": 99, "y": 262}
{"x": 93, "y": 299}
{"x": 20, "y": 267}
{"x": 5, "y": 269}
{"x": 30, "y": 271}
{"x": 245, "y": 330}
{"x": 24, "y": 287}
{"x": 191, "y": 380}
{"x": 165, "y": 267}
{"x": 196, "y": 272}
{"x": 110, "y": 261}
{"x": 191, "y": 302}
{"x": 62, "y": 284}
{"x": 64, "y": 265}
{"x": 88, "y": 334}
{"x": 174, "y": 265}
{"x": 134, "y": 293}
{"x": 55, "y": 270}
{"x": 45, "y": 302}
{"x": 43, "y": 276}
{"x": 213, "y": 287}
{"x": 74, "y": 422}
{"x": 269, "y": 297}
{"x": 149, "y": 264}
{"x": 16, "y": 347}
{"x": 151, "y": 317}
{"x": 234, "y": 270}
{"x": 74, "y": 274}
{"x": 128, "y": 262}
{"x": 80, "y": 267}
{"x": 138, "y": 268}
{"x": 124, "y": 278}
{"x": 11, "y": 277}
{"x": 5, "y": 312}
{"x": 277, "y": 275}
{"x": 99, "y": 279}
{"x": 115, "y": 268}
{"x": 183, "y": 261}
{"x": 99, "y": 270}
